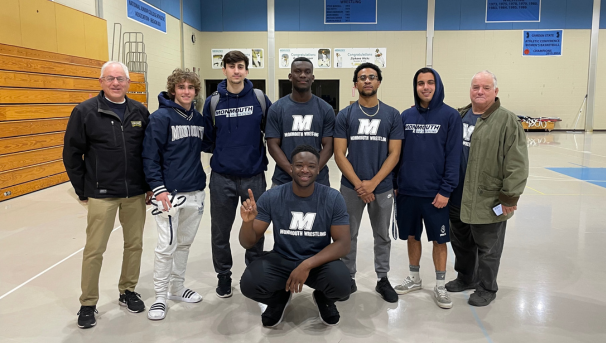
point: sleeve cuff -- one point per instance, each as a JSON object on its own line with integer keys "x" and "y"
{"x": 158, "y": 190}
{"x": 507, "y": 200}
{"x": 444, "y": 193}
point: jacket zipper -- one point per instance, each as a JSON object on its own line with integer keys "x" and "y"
{"x": 125, "y": 160}
{"x": 114, "y": 132}
{"x": 97, "y": 170}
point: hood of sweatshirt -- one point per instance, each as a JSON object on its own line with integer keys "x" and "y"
{"x": 438, "y": 95}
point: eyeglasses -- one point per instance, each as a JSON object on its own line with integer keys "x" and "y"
{"x": 369, "y": 77}
{"x": 110, "y": 79}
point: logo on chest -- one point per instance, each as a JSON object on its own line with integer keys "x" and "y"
{"x": 302, "y": 123}
{"x": 301, "y": 221}
{"x": 369, "y": 127}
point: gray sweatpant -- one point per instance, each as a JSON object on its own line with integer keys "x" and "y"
{"x": 226, "y": 193}
{"x": 379, "y": 212}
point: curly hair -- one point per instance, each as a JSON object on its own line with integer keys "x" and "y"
{"x": 179, "y": 76}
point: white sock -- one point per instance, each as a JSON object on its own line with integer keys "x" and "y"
{"x": 160, "y": 300}
{"x": 415, "y": 276}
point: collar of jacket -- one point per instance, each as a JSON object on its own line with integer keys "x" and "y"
{"x": 487, "y": 113}
{"x": 103, "y": 108}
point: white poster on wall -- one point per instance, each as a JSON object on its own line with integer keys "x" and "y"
{"x": 353, "y": 57}
{"x": 319, "y": 57}
{"x": 256, "y": 57}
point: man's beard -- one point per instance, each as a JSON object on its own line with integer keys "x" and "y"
{"x": 374, "y": 91}
{"x": 301, "y": 89}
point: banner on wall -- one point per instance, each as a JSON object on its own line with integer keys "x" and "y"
{"x": 350, "y": 11}
{"x": 146, "y": 14}
{"x": 319, "y": 57}
{"x": 500, "y": 11}
{"x": 256, "y": 57}
{"x": 542, "y": 43}
{"x": 353, "y": 57}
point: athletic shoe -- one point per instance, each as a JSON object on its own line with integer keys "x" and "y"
{"x": 224, "y": 286}
{"x": 458, "y": 285}
{"x": 274, "y": 314}
{"x": 440, "y": 295}
{"x": 187, "y": 296}
{"x": 86, "y": 317}
{"x": 386, "y": 291}
{"x": 481, "y": 298}
{"x": 132, "y": 301}
{"x": 408, "y": 285}
{"x": 327, "y": 309}
{"x": 157, "y": 311}
{"x": 354, "y": 288}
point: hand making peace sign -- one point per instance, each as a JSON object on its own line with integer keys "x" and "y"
{"x": 248, "y": 210}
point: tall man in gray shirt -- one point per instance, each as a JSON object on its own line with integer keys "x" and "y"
{"x": 299, "y": 118}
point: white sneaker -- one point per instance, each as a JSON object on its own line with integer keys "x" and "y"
{"x": 187, "y": 296}
{"x": 157, "y": 311}
{"x": 440, "y": 295}
{"x": 408, "y": 285}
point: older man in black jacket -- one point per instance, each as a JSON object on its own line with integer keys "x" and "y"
{"x": 102, "y": 156}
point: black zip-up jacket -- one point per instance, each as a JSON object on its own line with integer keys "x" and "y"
{"x": 112, "y": 166}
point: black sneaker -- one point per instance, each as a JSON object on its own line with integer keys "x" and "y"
{"x": 327, "y": 309}
{"x": 274, "y": 314}
{"x": 481, "y": 298}
{"x": 386, "y": 291}
{"x": 86, "y": 317}
{"x": 458, "y": 285}
{"x": 132, "y": 301}
{"x": 224, "y": 286}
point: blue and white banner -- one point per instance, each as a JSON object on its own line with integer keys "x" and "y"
{"x": 542, "y": 43}
{"x": 146, "y": 14}
{"x": 512, "y": 11}
{"x": 350, "y": 11}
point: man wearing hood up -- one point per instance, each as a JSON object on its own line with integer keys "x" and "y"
{"x": 428, "y": 173}
{"x": 174, "y": 139}
{"x": 238, "y": 162}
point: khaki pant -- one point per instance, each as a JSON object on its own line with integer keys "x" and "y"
{"x": 101, "y": 218}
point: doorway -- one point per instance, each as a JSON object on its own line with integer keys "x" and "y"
{"x": 328, "y": 90}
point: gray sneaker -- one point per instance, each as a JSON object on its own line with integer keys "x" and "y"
{"x": 440, "y": 295}
{"x": 408, "y": 286}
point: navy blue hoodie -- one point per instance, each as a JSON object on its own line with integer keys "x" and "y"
{"x": 174, "y": 139}
{"x": 239, "y": 148}
{"x": 431, "y": 149}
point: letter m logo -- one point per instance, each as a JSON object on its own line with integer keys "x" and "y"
{"x": 302, "y": 222}
{"x": 302, "y": 123}
{"x": 368, "y": 127}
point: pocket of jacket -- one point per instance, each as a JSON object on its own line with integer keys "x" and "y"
{"x": 486, "y": 200}
{"x": 489, "y": 183}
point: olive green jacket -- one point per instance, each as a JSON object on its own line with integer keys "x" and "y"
{"x": 498, "y": 165}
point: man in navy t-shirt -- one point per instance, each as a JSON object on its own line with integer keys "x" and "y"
{"x": 306, "y": 217}
{"x": 371, "y": 133}
{"x": 299, "y": 118}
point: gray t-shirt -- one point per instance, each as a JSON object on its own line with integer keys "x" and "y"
{"x": 302, "y": 225}
{"x": 299, "y": 123}
{"x": 368, "y": 140}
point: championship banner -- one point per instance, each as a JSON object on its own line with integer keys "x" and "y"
{"x": 542, "y": 43}
{"x": 319, "y": 57}
{"x": 507, "y": 11}
{"x": 353, "y": 57}
{"x": 256, "y": 57}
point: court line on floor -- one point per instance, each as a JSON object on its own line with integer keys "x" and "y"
{"x": 51, "y": 267}
{"x": 473, "y": 310}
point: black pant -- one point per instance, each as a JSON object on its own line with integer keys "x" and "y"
{"x": 478, "y": 249}
{"x": 226, "y": 192}
{"x": 264, "y": 280}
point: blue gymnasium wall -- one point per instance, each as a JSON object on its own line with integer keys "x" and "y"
{"x": 392, "y": 15}
{"x": 471, "y": 15}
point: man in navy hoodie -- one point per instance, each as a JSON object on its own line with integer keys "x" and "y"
{"x": 174, "y": 139}
{"x": 238, "y": 162}
{"x": 428, "y": 173}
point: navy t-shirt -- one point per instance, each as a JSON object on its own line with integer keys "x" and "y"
{"x": 469, "y": 124}
{"x": 118, "y": 109}
{"x": 301, "y": 225}
{"x": 368, "y": 140}
{"x": 298, "y": 123}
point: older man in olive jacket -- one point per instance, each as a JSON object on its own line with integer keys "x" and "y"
{"x": 494, "y": 169}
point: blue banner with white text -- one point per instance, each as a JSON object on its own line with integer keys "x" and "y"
{"x": 513, "y": 10}
{"x": 350, "y": 11}
{"x": 145, "y": 14}
{"x": 543, "y": 43}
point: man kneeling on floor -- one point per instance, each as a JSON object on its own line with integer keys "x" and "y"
{"x": 305, "y": 216}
